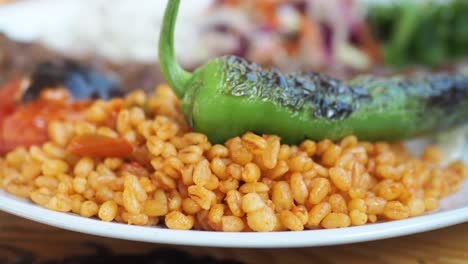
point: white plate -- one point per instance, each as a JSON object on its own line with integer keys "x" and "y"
{"x": 453, "y": 210}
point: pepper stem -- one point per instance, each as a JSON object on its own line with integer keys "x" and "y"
{"x": 175, "y": 76}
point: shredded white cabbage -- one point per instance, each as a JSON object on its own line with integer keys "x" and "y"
{"x": 453, "y": 144}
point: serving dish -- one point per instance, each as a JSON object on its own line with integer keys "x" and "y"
{"x": 453, "y": 210}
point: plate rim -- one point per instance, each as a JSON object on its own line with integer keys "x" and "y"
{"x": 308, "y": 238}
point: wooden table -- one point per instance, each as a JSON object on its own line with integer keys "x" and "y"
{"x": 41, "y": 242}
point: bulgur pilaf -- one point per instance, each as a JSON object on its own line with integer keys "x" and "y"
{"x": 178, "y": 179}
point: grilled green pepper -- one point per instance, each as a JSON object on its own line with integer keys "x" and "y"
{"x": 229, "y": 96}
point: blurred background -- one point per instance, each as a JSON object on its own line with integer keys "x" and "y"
{"x": 339, "y": 37}
{"x": 110, "y": 46}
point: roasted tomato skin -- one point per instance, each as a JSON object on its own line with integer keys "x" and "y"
{"x": 98, "y": 146}
{"x": 9, "y": 102}
{"x": 26, "y": 125}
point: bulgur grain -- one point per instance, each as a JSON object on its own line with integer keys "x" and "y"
{"x": 252, "y": 202}
{"x": 108, "y": 211}
{"x": 396, "y": 210}
{"x": 89, "y": 208}
{"x": 174, "y": 201}
{"x": 341, "y": 179}
{"x": 254, "y": 187}
{"x": 215, "y": 214}
{"x": 135, "y": 219}
{"x": 202, "y": 196}
{"x": 271, "y": 152}
{"x": 338, "y": 203}
{"x": 59, "y": 202}
{"x": 263, "y": 220}
{"x": 416, "y": 206}
{"x": 291, "y": 221}
{"x": 336, "y": 220}
{"x": 177, "y": 220}
{"x": 251, "y": 173}
{"x": 317, "y": 213}
{"x": 298, "y": 188}
{"x": 234, "y": 200}
{"x": 358, "y": 217}
{"x": 319, "y": 191}
{"x": 232, "y": 224}
{"x": 282, "y": 196}
{"x": 254, "y": 143}
{"x": 190, "y": 206}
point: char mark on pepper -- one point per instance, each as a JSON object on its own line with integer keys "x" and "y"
{"x": 324, "y": 96}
